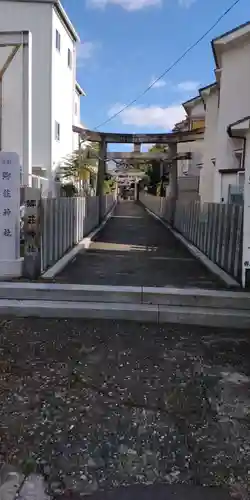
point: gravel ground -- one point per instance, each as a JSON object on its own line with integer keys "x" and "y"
{"x": 96, "y": 405}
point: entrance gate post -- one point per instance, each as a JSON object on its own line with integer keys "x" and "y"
{"x": 100, "y": 175}
{"x": 173, "y": 181}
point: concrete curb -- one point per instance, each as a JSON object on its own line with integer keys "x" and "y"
{"x": 160, "y": 296}
{"x": 82, "y": 245}
{"x": 225, "y": 318}
{"x": 228, "y": 280}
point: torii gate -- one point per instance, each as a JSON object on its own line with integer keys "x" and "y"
{"x": 170, "y": 139}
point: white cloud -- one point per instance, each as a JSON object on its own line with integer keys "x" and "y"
{"x": 157, "y": 84}
{"x": 186, "y": 3}
{"x": 85, "y": 51}
{"x": 129, "y": 5}
{"x": 133, "y": 5}
{"x": 188, "y": 86}
{"x": 154, "y": 117}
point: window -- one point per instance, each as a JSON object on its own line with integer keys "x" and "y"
{"x": 241, "y": 179}
{"x": 69, "y": 58}
{"x": 185, "y": 167}
{"x": 239, "y": 158}
{"x": 57, "y": 131}
{"x": 58, "y": 41}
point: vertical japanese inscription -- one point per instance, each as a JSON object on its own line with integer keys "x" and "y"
{"x": 32, "y": 240}
{"x": 9, "y": 206}
{"x": 32, "y": 252}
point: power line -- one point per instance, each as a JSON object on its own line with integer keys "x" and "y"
{"x": 191, "y": 47}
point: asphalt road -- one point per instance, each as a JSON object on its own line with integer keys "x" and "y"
{"x": 134, "y": 249}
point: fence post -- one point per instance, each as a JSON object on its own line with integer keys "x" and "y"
{"x": 238, "y": 245}
{"x": 32, "y": 233}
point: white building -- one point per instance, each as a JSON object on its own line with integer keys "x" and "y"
{"x": 210, "y": 96}
{"x": 231, "y": 54}
{"x": 55, "y": 96}
{"x": 188, "y": 170}
{"x": 79, "y": 92}
{"x": 227, "y": 108}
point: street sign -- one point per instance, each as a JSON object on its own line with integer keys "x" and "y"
{"x": 9, "y": 206}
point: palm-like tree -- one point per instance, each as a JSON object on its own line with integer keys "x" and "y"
{"x": 81, "y": 165}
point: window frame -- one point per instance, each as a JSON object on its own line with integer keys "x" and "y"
{"x": 58, "y": 41}
{"x": 57, "y": 131}
{"x": 70, "y": 59}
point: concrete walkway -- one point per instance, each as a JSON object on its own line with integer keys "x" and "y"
{"x": 134, "y": 249}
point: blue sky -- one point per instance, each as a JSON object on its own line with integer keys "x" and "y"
{"x": 127, "y": 43}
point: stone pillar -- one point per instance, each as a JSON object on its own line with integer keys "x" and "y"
{"x": 32, "y": 234}
{"x": 10, "y": 263}
{"x": 101, "y": 175}
{"x": 27, "y": 111}
{"x": 137, "y": 150}
{"x": 173, "y": 181}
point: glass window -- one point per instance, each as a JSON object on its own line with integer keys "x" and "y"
{"x": 69, "y": 58}
{"x": 57, "y": 131}
{"x": 58, "y": 41}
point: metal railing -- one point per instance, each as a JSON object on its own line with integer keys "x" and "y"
{"x": 65, "y": 222}
{"x": 215, "y": 228}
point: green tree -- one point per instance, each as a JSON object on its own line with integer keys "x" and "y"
{"x": 109, "y": 184}
{"x": 81, "y": 165}
{"x": 153, "y": 170}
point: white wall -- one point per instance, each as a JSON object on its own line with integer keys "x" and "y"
{"x": 63, "y": 91}
{"x": 34, "y": 17}
{"x": 210, "y": 137}
{"x": 76, "y": 118}
{"x": 246, "y": 224}
{"x": 234, "y": 105}
{"x": 194, "y": 147}
{"x": 197, "y": 110}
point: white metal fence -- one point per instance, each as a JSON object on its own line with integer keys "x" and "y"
{"x": 216, "y": 229}
{"x": 65, "y": 221}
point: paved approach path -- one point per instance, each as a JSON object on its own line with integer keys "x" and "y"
{"x": 134, "y": 249}
{"x": 163, "y": 410}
